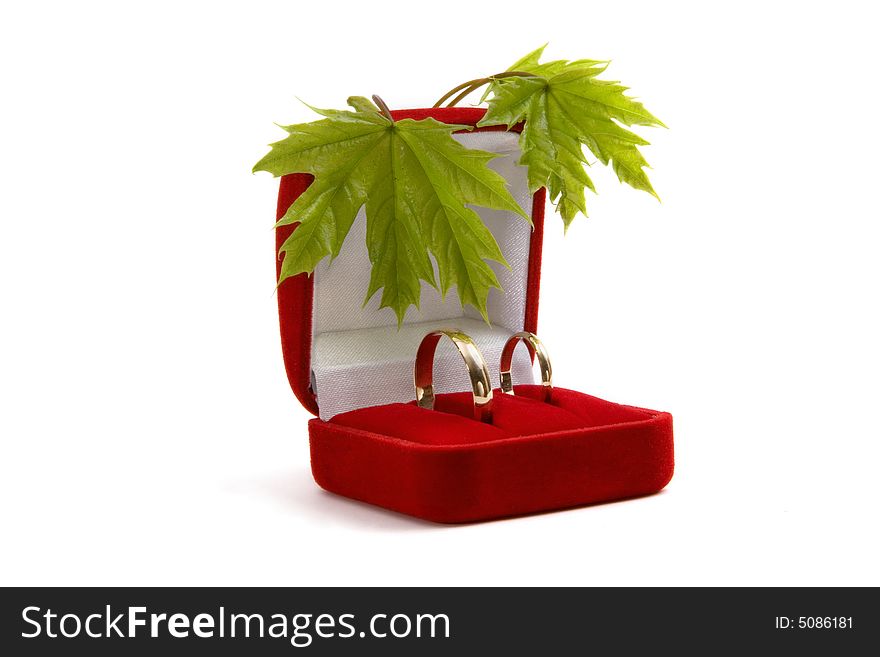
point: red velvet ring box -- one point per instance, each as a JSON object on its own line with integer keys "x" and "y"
{"x": 352, "y": 366}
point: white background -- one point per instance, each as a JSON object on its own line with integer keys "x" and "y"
{"x": 149, "y": 435}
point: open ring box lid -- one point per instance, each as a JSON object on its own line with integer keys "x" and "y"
{"x": 352, "y": 366}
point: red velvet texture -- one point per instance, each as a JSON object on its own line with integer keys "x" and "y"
{"x": 444, "y": 466}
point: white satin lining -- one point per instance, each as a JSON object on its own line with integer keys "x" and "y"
{"x": 360, "y": 358}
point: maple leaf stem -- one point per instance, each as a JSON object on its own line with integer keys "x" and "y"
{"x": 464, "y": 94}
{"x": 472, "y": 85}
{"x": 383, "y": 107}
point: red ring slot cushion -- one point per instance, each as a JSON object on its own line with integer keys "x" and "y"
{"x": 444, "y": 466}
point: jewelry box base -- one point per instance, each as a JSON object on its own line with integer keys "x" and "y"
{"x": 620, "y": 452}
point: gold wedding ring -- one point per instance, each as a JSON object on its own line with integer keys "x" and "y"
{"x": 536, "y": 348}
{"x": 424, "y": 372}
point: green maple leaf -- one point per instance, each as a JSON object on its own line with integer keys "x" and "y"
{"x": 416, "y": 182}
{"x": 565, "y": 106}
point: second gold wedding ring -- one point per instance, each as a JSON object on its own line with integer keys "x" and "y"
{"x": 536, "y": 350}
